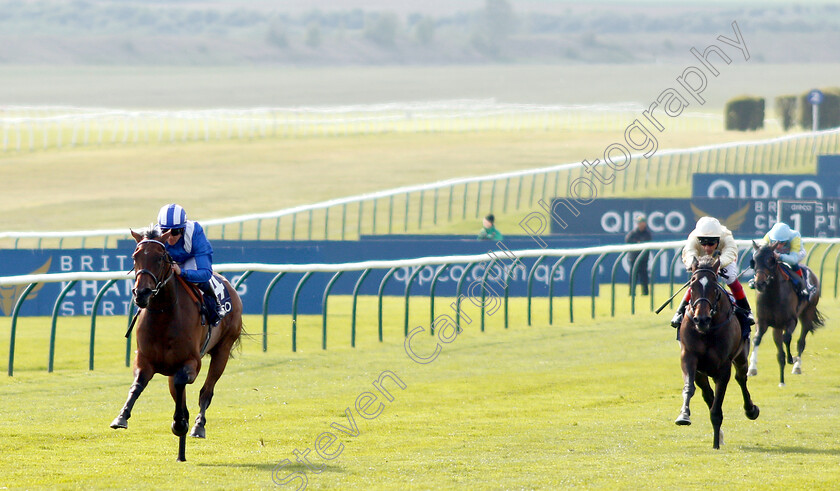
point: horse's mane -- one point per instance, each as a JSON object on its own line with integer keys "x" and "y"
{"x": 151, "y": 232}
{"x": 706, "y": 262}
{"x": 762, "y": 254}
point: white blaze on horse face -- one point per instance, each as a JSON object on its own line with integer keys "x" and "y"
{"x": 704, "y": 281}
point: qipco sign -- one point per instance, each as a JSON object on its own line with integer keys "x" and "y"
{"x": 658, "y": 221}
{"x": 759, "y": 186}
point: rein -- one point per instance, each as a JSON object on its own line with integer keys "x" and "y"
{"x": 159, "y": 284}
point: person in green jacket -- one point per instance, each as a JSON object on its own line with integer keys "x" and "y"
{"x": 490, "y": 232}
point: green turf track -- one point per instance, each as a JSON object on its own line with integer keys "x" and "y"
{"x": 589, "y": 404}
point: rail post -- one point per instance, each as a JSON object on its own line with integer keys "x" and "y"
{"x": 15, "y": 313}
{"x": 324, "y": 309}
{"x": 266, "y": 295}
{"x": 294, "y": 308}
{"x": 61, "y": 296}
{"x": 96, "y": 302}
{"x": 355, "y": 299}
{"x": 380, "y": 293}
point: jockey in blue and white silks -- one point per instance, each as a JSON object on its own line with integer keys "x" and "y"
{"x": 191, "y": 251}
{"x": 788, "y": 247}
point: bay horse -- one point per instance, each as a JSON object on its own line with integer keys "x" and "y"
{"x": 170, "y": 335}
{"x": 779, "y": 306}
{"x": 710, "y": 343}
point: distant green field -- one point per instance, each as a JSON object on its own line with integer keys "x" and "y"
{"x": 586, "y": 404}
{"x": 123, "y": 186}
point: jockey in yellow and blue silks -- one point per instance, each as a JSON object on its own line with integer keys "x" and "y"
{"x": 788, "y": 248}
{"x": 191, "y": 251}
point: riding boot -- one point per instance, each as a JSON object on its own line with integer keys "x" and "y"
{"x": 746, "y": 317}
{"x": 676, "y": 321}
{"x": 807, "y": 287}
{"x": 214, "y": 316}
{"x": 800, "y": 285}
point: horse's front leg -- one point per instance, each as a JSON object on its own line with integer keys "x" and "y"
{"x": 178, "y": 389}
{"x": 702, "y": 381}
{"x": 762, "y": 328}
{"x": 689, "y": 368}
{"x": 716, "y": 411}
{"x": 142, "y": 375}
{"x": 780, "y": 354}
{"x": 805, "y": 326}
{"x": 220, "y": 355}
{"x": 788, "y": 338}
{"x": 740, "y": 362}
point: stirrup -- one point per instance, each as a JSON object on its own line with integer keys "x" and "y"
{"x": 804, "y": 294}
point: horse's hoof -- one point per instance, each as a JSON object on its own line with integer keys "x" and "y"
{"x": 198, "y": 432}
{"x": 796, "y": 371}
{"x": 797, "y": 366}
{"x": 754, "y": 413}
{"x": 752, "y": 372}
{"x": 683, "y": 420}
{"x": 119, "y": 422}
{"x": 781, "y": 384}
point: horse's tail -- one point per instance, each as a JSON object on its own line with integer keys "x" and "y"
{"x": 818, "y": 321}
{"x": 812, "y": 319}
{"x": 237, "y": 343}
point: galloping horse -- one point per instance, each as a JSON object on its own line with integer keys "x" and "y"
{"x": 711, "y": 342}
{"x": 779, "y": 306}
{"x": 170, "y": 336}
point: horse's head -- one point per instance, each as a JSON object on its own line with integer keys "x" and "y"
{"x": 765, "y": 264}
{"x": 152, "y": 265}
{"x": 705, "y": 292}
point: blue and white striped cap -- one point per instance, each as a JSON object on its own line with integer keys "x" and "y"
{"x": 172, "y": 216}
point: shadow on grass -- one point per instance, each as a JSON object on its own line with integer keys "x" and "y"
{"x": 269, "y": 466}
{"x": 784, "y": 449}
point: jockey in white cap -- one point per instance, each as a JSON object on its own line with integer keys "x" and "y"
{"x": 708, "y": 237}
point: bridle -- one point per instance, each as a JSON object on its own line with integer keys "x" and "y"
{"x": 712, "y": 304}
{"x": 696, "y": 301}
{"x": 159, "y": 284}
{"x": 767, "y": 271}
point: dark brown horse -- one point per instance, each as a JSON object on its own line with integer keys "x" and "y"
{"x": 711, "y": 342}
{"x": 170, "y": 336}
{"x": 778, "y": 306}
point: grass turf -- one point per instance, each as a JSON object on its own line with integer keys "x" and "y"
{"x": 585, "y": 404}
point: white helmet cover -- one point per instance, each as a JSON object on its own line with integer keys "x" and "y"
{"x": 708, "y": 227}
